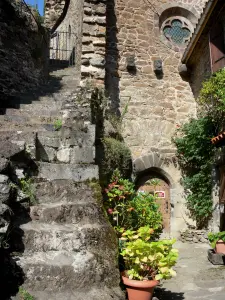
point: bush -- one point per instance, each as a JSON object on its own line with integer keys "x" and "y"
{"x": 116, "y": 155}
{"x": 128, "y": 209}
{"x": 195, "y": 155}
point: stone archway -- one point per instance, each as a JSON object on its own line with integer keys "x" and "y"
{"x": 157, "y": 185}
{"x": 153, "y": 166}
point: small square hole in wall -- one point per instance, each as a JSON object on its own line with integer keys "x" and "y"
{"x": 131, "y": 66}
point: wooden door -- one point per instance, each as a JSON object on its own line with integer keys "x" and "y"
{"x": 162, "y": 190}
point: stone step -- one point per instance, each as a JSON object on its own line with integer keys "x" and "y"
{"x": 35, "y": 237}
{"x": 25, "y": 127}
{"x": 29, "y": 119}
{"x": 76, "y": 172}
{"x": 61, "y": 271}
{"x": 91, "y": 293}
{"x": 70, "y": 213}
{"x": 67, "y": 191}
{"x": 33, "y": 112}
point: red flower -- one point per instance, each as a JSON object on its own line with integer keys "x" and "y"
{"x": 110, "y": 211}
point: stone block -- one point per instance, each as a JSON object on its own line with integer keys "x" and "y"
{"x": 3, "y": 163}
{"x": 45, "y": 153}
{"x": 4, "y": 188}
{"x": 216, "y": 258}
{"x": 63, "y": 191}
{"x": 68, "y": 213}
{"x": 63, "y": 155}
{"x": 82, "y": 155}
{"x": 75, "y": 172}
{"x": 50, "y": 139}
{"x": 98, "y": 62}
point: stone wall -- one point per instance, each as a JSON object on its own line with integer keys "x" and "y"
{"x": 157, "y": 103}
{"x": 194, "y": 236}
{"x": 23, "y": 54}
{"x": 93, "y": 42}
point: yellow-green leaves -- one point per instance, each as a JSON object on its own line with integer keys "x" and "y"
{"x": 145, "y": 259}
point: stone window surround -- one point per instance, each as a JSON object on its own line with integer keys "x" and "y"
{"x": 171, "y": 10}
{"x": 185, "y": 24}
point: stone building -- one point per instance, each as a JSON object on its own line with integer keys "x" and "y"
{"x": 204, "y": 55}
{"x": 135, "y": 48}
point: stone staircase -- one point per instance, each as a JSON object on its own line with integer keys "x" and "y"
{"x": 68, "y": 248}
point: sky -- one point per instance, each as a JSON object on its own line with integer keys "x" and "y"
{"x": 39, "y": 3}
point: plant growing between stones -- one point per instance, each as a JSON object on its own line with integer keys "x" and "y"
{"x": 57, "y": 124}
{"x": 28, "y": 189}
{"x": 24, "y": 295}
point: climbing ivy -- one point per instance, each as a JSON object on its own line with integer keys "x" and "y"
{"x": 195, "y": 155}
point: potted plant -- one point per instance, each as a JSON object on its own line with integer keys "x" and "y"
{"x": 217, "y": 241}
{"x": 146, "y": 262}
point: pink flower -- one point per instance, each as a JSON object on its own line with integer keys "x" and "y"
{"x": 110, "y": 211}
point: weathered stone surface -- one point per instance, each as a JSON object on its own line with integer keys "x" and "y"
{"x": 20, "y": 29}
{"x": 9, "y": 149}
{"x": 3, "y": 164}
{"x": 62, "y": 171}
{"x": 64, "y": 191}
{"x": 69, "y": 213}
{"x": 4, "y": 188}
{"x": 65, "y": 271}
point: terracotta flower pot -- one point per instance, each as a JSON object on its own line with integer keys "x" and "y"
{"x": 220, "y": 247}
{"x": 140, "y": 290}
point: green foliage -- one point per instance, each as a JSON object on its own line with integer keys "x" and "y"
{"x": 128, "y": 209}
{"x": 148, "y": 260}
{"x": 215, "y": 237}
{"x": 58, "y": 124}
{"x": 212, "y": 98}
{"x": 28, "y": 189}
{"x": 195, "y": 155}
{"x": 116, "y": 156}
{"x": 146, "y": 211}
{"x": 24, "y": 295}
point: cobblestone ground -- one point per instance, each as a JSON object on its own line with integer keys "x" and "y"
{"x": 196, "y": 277}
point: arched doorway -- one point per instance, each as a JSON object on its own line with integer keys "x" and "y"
{"x": 158, "y": 185}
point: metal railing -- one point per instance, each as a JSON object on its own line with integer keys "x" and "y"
{"x": 62, "y": 49}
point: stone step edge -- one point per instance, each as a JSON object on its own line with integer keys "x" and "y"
{"x": 41, "y": 226}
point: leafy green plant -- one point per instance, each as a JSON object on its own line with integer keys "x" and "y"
{"x": 145, "y": 211}
{"x": 215, "y": 237}
{"x": 145, "y": 260}
{"x": 212, "y": 98}
{"x": 24, "y": 295}
{"x": 116, "y": 156}
{"x": 128, "y": 209}
{"x": 195, "y": 155}
{"x": 58, "y": 124}
{"x": 119, "y": 193}
{"x": 28, "y": 189}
